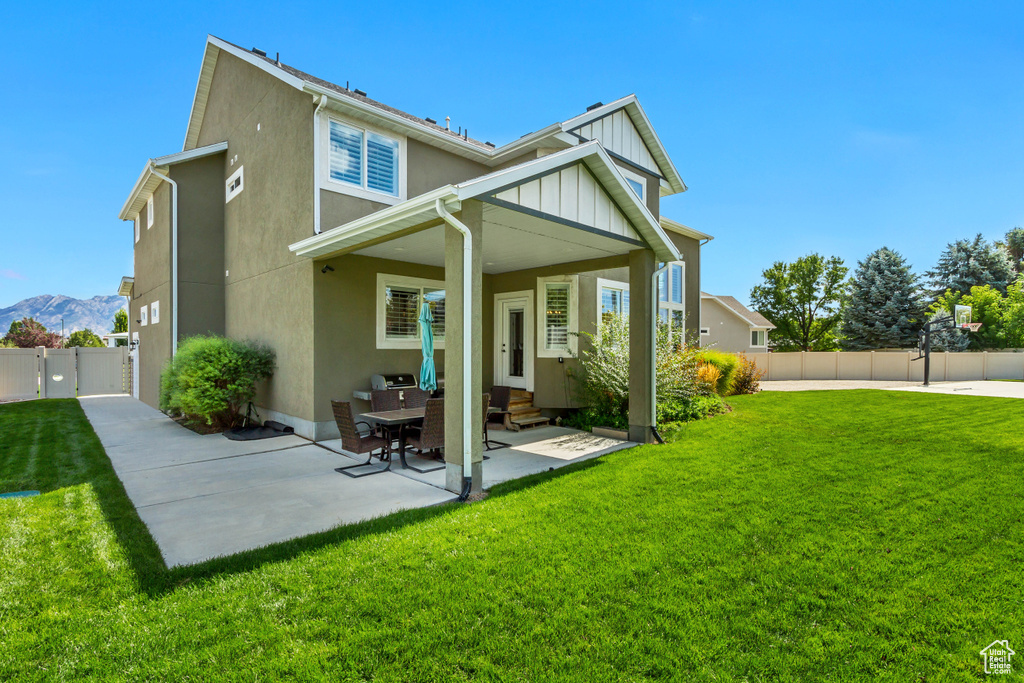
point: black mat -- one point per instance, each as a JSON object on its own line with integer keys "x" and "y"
{"x": 268, "y": 431}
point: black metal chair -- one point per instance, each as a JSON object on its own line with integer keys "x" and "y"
{"x": 356, "y": 442}
{"x": 488, "y": 401}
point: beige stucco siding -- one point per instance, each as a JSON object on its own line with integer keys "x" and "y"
{"x": 268, "y": 295}
{"x": 432, "y": 167}
{"x": 153, "y": 284}
{"x": 727, "y": 331}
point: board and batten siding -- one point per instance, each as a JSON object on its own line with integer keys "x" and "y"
{"x": 572, "y": 194}
{"x": 617, "y": 133}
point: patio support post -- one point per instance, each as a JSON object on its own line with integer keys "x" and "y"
{"x": 454, "y": 384}
{"x": 641, "y": 344}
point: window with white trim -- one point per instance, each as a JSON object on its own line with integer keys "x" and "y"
{"x": 137, "y": 232}
{"x": 636, "y": 182}
{"x": 144, "y": 316}
{"x": 557, "y": 315}
{"x": 705, "y": 331}
{"x": 399, "y": 300}
{"x": 671, "y": 298}
{"x": 234, "y": 185}
{"x": 612, "y": 299}
{"x": 363, "y": 159}
{"x": 757, "y": 337}
{"x": 154, "y": 313}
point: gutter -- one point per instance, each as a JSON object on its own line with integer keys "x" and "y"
{"x": 174, "y": 255}
{"x": 654, "y": 351}
{"x": 467, "y": 346}
{"x": 316, "y": 163}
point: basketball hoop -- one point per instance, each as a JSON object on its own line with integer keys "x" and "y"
{"x": 973, "y": 327}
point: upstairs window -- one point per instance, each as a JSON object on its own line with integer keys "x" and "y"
{"x": 149, "y": 213}
{"x": 363, "y": 159}
{"x": 636, "y": 182}
{"x": 234, "y": 185}
{"x": 154, "y": 313}
{"x": 136, "y": 229}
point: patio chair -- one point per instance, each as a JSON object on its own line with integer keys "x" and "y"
{"x": 357, "y": 442}
{"x": 430, "y": 435}
{"x": 490, "y": 445}
{"x": 501, "y": 397}
{"x": 415, "y": 397}
{"x": 385, "y": 399}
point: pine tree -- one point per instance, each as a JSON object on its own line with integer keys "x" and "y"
{"x": 969, "y": 263}
{"x": 883, "y": 308}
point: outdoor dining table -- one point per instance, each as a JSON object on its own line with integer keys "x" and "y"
{"x": 393, "y": 422}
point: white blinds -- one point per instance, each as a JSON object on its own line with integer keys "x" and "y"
{"x": 435, "y": 297}
{"x": 381, "y": 164}
{"x": 346, "y": 154}
{"x": 556, "y": 316}
{"x": 401, "y": 306}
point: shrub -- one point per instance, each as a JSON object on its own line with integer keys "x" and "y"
{"x": 708, "y": 376}
{"x": 86, "y": 338}
{"x": 211, "y": 379}
{"x": 727, "y": 363}
{"x": 601, "y": 380}
{"x": 747, "y": 379}
{"x": 696, "y": 408}
{"x": 29, "y": 333}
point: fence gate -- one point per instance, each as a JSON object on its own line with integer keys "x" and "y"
{"x": 62, "y": 373}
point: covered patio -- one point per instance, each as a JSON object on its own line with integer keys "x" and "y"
{"x": 571, "y": 211}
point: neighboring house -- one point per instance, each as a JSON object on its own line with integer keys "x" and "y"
{"x": 314, "y": 219}
{"x": 728, "y": 325}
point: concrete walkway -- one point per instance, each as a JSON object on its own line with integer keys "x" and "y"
{"x": 207, "y": 496}
{"x": 973, "y": 388}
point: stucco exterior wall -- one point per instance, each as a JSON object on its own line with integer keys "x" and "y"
{"x": 268, "y": 292}
{"x": 153, "y": 283}
{"x": 727, "y": 332}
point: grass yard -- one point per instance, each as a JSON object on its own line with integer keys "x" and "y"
{"x": 816, "y": 536}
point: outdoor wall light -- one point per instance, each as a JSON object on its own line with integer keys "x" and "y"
{"x": 327, "y": 268}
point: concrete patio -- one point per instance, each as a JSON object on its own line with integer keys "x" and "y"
{"x": 207, "y": 496}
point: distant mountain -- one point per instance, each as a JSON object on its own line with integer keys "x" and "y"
{"x": 96, "y": 313}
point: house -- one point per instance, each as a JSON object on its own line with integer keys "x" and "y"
{"x": 728, "y": 325}
{"x": 310, "y": 217}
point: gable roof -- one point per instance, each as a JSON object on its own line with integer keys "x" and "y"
{"x": 752, "y": 318}
{"x": 555, "y": 135}
{"x": 421, "y": 209}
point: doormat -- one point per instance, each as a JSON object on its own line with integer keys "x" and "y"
{"x": 268, "y": 431}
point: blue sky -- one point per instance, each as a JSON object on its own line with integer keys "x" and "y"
{"x": 799, "y": 127}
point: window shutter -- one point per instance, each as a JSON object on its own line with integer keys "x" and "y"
{"x": 401, "y": 307}
{"x": 381, "y": 164}
{"x": 556, "y": 316}
{"x": 346, "y": 154}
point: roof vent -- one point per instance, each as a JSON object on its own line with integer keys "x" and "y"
{"x": 595, "y": 105}
{"x": 359, "y": 92}
{"x": 257, "y": 51}
{"x": 489, "y": 144}
{"x": 430, "y": 120}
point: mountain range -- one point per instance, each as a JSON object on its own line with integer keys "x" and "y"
{"x": 96, "y": 313}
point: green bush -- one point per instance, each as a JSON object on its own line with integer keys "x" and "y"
{"x": 694, "y": 408}
{"x": 747, "y": 379}
{"x": 211, "y": 379}
{"x": 727, "y": 364}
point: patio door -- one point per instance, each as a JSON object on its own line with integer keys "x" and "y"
{"x": 513, "y": 340}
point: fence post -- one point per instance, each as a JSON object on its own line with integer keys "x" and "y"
{"x": 74, "y": 367}
{"x": 984, "y": 364}
{"x": 803, "y": 365}
{"x": 837, "y": 364}
{"x": 41, "y": 353}
{"x": 872, "y": 365}
{"x": 908, "y": 365}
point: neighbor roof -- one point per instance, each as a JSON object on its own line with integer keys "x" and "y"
{"x": 753, "y": 318}
{"x": 554, "y": 135}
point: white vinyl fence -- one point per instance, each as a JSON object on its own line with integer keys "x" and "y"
{"x": 62, "y": 373}
{"x": 889, "y": 365}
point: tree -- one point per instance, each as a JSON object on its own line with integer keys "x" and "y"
{"x": 802, "y": 300}
{"x": 86, "y": 338}
{"x": 1013, "y": 314}
{"x": 28, "y": 333}
{"x": 1015, "y": 247}
{"x": 121, "y": 321}
{"x": 970, "y": 263}
{"x": 986, "y": 308}
{"x": 883, "y": 306}
{"x": 945, "y": 337}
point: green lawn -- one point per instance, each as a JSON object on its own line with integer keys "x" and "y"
{"x": 854, "y": 535}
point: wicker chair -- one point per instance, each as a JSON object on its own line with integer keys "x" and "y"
{"x": 353, "y": 441}
{"x": 501, "y": 397}
{"x": 385, "y": 399}
{"x": 415, "y": 398}
{"x": 430, "y": 436}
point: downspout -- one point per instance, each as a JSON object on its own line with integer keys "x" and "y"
{"x": 654, "y": 352}
{"x": 467, "y": 347}
{"x": 174, "y": 256}
{"x": 316, "y": 164}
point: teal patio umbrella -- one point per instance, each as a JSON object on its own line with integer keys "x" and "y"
{"x": 428, "y": 376}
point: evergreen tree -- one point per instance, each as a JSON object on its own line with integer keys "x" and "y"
{"x": 1015, "y": 247}
{"x": 121, "y": 321}
{"x": 969, "y": 263}
{"x": 883, "y": 307}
